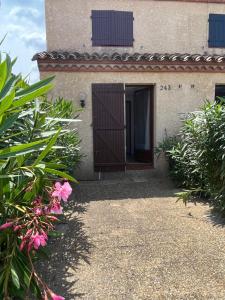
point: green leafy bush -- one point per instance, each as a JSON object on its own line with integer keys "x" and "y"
{"x": 33, "y": 183}
{"x": 70, "y": 142}
{"x": 197, "y": 159}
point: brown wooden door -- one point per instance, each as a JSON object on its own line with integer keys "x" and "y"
{"x": 108, "y": 127}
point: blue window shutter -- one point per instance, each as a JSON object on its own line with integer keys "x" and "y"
{"x": 112, "y": 28}
{"x": 123, "y": 28}
{"x": 101, "y": 27}
{"x": 217, "y": 30}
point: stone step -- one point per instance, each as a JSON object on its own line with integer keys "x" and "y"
{"x": 131, "y": 175}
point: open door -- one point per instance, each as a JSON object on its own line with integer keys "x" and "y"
{"x": 108, "y": 127}
{"x": 142, "y": 147}
{"x": 139, "y": 126}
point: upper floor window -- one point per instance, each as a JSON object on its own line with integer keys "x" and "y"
{"x": 112, "y": 28}
{"x": 217, "y": 30}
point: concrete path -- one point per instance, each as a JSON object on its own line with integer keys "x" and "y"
{"x": 131, "y": 240}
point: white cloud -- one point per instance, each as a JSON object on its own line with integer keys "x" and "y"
{"x": 24, "y": 12}
{"x": 35, "y": 40}
{"x": 14, "y": 28}
{"x": 24, "y": 24}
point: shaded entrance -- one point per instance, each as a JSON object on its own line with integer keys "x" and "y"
{"x": 122, "y": 127}
{"x": 139, "y": 125}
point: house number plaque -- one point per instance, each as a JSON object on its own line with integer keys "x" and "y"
{"x": 168, "y": 87}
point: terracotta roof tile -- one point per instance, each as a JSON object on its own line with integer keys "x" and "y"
{"x": 54, "y": 55}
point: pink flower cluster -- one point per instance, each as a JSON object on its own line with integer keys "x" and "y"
{"x": 62, "y": 191}
{"x": 33, "y": 240}
{"x": 33, "y": 233}
{"x": 59, "y": 192}
{"x": 32, "y": 228}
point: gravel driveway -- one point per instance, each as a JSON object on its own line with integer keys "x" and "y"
{"x": 129, "y": 239}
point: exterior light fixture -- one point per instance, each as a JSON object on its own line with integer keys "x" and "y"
{"x": 83, "y": 97}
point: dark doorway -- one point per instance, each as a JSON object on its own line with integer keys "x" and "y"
{"x": 139, "y": 125}
{"x": 219, "y": 92}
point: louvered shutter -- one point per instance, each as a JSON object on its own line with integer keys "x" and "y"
{"x": 112, "y": 28}
{"x": 108, "y": 127}
{"x": 216, "y": 30}
{"x": 101, "y": 27}
{"x": 122, "y": 29}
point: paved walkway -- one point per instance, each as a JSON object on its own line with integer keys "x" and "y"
{"x": 131, "y": 240}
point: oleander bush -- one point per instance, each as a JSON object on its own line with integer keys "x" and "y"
{"x": 64, "y": 112}
{"x": 197, "y": 156}
{"x": 34, "y": 178}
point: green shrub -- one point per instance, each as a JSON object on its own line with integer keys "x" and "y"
{"x": 68, "y": 150}
{"x": 197, "y": 159}
{"x": 33, "y": 183}
{"x": 168, "y": 145}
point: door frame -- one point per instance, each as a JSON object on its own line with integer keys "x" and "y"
{"x": 136, "y": 165}
{"x": 150, "y": 165}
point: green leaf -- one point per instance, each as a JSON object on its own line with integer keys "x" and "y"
{"x": 63, "y": 120}
{"x": 55, "y": 234}
{"x": 34, "y": 87}
{"x": 6, "y": 102}
{"x": 14, "y": 61}
{"x": 9, "y": 66}
{"x": 60, "y": 174}
{"x": 8, "y": 122}
{"x": 15, "y": 278}
{"x": 52, "y": 132}
{"x": 32, "y": 95}
{"x": 55, "y": 165}
{"x": 33, "y": 91}
{"x": 35, "y": 289}
{"x": 21, "y": 149}
{"x": 9, "y": 176}
{"x": 2, "y": 40}
{"x": 9, "y": 85}
{"x": 48, "y": 148}
{"x": 3, "y": 73}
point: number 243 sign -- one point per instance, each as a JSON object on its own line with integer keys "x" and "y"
{"x": 168, "y": 87}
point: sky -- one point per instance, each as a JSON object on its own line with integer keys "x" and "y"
{"x": 23, "y": 22}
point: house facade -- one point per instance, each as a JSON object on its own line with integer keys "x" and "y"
{"x": 136, "y": 66}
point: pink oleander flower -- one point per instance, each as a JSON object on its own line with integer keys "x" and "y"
{"x": 38, "y": 211}
{"x": 37, "y": 240}
{"x": 44, "y": 234}
{"x": 53, "y": 219}
{"x": 22, "y": 245}
{"x": 56, "y": 297}
{"x": 28, "y": 233}
{"x": 62, "y": 191}
{"x": 17, "y": 227}
{"x": 6, "y": 225}
{"x": 56, "y": 208}
{"x": 37, "y": 201}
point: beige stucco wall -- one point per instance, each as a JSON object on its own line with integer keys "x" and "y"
{"x": 169, "y": 104}
{"x": 159, "y": 26}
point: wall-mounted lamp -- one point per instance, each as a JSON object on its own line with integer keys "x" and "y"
{"x": 83, "y": 97}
